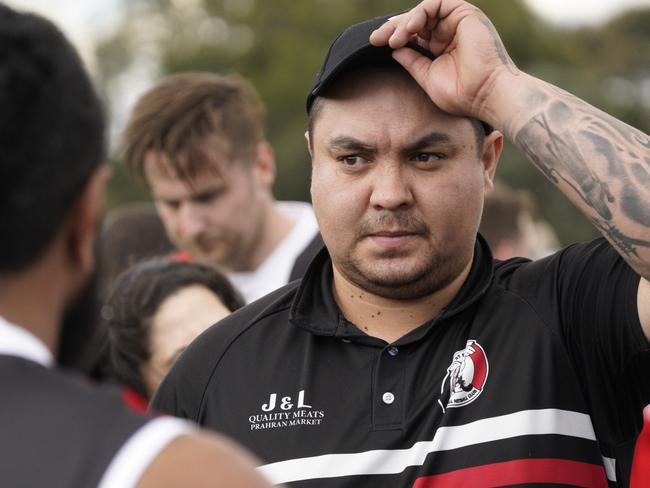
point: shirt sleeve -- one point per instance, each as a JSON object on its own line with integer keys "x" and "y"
{"x": 589, "y": 293}
{"x": 180, "y": 392}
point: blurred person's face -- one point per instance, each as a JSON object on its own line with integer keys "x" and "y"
{"x": 217, "y": 216}
{"x": 397, "y": 186}
{"x": 177, "y": 322}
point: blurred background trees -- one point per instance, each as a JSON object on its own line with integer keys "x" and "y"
{"x": 279, "y": 45}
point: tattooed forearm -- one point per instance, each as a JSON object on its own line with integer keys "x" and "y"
{"x": 626, "y": 245}
{"x": 641, "y": 175}
{"x": 500, "y": 48}
{"x": 577, "y": 174}
{"x": 599, "y": 162}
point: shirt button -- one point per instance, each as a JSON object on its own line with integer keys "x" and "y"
{"x": 388, "y": 398}
{"x": 393, "y": 351}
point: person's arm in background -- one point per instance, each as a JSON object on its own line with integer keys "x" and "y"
{"x": 601, "y": 164}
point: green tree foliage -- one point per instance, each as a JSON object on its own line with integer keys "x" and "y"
{"x": 279, "y": 45}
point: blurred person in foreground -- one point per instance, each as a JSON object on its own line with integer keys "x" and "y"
{"x": 156, "y": 308}
{"x": 511, "y": 226}
{"x": 198, "y": 141}
{"x": 407, "y": 356}
{"x": 56, "y": 428}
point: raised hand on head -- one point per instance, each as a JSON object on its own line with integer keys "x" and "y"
{"x": 470, "y": 60}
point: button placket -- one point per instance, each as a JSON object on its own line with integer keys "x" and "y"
{"x": 388, "y": 394}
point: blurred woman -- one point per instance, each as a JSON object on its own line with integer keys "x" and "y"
{"x": 155, "y": 309}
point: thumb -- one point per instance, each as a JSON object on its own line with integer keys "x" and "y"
{"x": 415, "y": 63}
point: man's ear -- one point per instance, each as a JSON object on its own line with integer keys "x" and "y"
{"x": 265, "y": 164}
{"x": 492, "y": 147}
{"x": 84, "y": 221}
{"x": 308, "y": 139}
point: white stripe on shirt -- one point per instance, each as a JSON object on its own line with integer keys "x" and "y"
{"x": 382, "y": 461}
{"x": 135, "y": 456}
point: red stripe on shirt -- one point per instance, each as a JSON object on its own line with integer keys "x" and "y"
{"x": 557, "y": 471}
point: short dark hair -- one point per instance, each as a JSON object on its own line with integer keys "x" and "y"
{"x": 51, "y": 134}
{"x": 136, "y": 296}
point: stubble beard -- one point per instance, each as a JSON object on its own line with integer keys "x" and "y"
{"x": 229, "y": 252}
{"x": 432, "y": 273}
{"x": 393, "y": 274}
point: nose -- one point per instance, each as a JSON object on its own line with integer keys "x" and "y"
{"x": 190, "y": 221}
{"x": 391, "y": 188}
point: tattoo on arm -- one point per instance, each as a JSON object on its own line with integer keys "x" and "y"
{"x": 500, "y": 48}
{"x": 600, "y": 162}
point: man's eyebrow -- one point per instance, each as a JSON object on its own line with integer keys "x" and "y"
{"x": 431, "y": 139}
{"x": 350, "y": 143}
{"x": 163, "y": 198}
{"x": 208, "y": 192}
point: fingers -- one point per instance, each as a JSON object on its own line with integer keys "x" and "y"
{"x": 417, "y": 23}
{"x": 381, "y": 35}
{"x": 422, "y": 21}
{"x": 415, "y": 63}
{"x": 399, "y": 30}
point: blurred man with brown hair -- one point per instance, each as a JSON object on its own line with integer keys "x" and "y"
{"x": 198, "y": 141}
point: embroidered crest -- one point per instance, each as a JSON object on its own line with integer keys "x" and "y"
{"x": 466, "y": 376}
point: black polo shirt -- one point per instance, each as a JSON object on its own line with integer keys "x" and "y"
{"x": 536, "y": 373}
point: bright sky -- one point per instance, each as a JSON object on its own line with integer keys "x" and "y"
{"x": 589, "y": 12}
{"x": 86, "y": 21}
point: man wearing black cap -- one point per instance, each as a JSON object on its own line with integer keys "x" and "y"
{"x": 56, "y": 429}
{"x": 407, "y": 357}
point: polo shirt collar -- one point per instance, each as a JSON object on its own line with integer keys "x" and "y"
{"x": 315, "y": 310}
{"x": 17, "y": 341}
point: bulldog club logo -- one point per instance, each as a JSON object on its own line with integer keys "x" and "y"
{"x": 466, "y": 376}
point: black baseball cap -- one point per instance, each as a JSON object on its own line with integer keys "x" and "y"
{"x": 351, "y": 48}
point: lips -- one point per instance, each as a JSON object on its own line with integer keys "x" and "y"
{"x": 400, "y": 232}
{"x": 392, "y": 233}
{"x": 392, "y": 239}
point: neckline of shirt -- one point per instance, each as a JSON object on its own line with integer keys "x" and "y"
{"x": 18, "y": 341}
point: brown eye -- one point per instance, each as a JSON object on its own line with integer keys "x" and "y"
{"x": 351, "y": 160}
{"x": 427, "y": 157}
{"x": 171, "y": 204}
{"x": 208, "y": 197}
